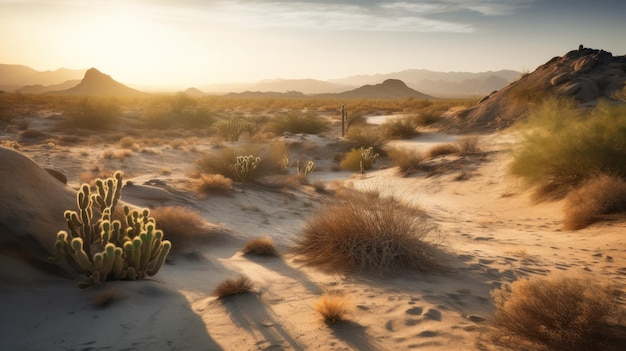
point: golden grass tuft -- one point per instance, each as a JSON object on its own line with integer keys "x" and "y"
{"x": 119, "y": 154}
{"x": 213, "y": 184}
{"x": 406, "y": 160}
{"x": 333, "y": 308}
{"x": 603, "y": 194}
{"x": 557, "y": 312}
{"x": 233, "y": 286}
{"x": 182, "y": 226}
{"x": 468, "y": 145}
{"x": 364, "y": 231}
{"x": 260, "y": 247}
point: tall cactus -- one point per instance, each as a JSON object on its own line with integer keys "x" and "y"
{"x": 123, "y": 251}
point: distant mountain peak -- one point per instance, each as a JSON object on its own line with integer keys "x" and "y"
{"x": 97, "y": 83}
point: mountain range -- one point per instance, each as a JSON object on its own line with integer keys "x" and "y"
{"x": 439, "y": 84}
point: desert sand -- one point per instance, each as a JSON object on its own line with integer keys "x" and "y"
{"x": 490, "y": 230}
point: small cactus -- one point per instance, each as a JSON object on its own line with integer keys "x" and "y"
{"x": 121, "y": 253}
{"x": 305, "y": 168}
{"x": 244, "y": 167}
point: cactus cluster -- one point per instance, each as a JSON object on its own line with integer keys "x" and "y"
{"x": 244, "y": 167}
{"x": 305, "y": 168}
{"x": 231, "y": 129}
{"x": 106, "y": 249}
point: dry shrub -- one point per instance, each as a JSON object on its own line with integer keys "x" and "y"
{"x": 319, "y": 186}
{"x": 442, "y": 150}
{"x": 366, "y": 136}
{"x": 333, "y": 307}
{"x": 468, "y": 145}
{"x": 400, "y": 128}
{"x": 363, "y": 231}
{"x": 10, "y": 144}
{"x": 260, "y": 247}
{"x": 558, "y": 313}
{"x": 213, "y": 184}
{"x": 182, "y": 226}
{"x": 106, "y": 298}
{"x": 165, "y": 170}
{"x": 603, "y": 194}
{"x": 33, "y": 134}
{"x": 233, "y": 286}
{"x": 129, "y": 142}
{"x": 406, "y": 160}
{"x": 119, "y": 154}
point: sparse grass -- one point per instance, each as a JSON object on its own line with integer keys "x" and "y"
{"x": 468, "y": 145}
{"x": 213, "y": 184}
{"x": 603, "y": 194}
{"x": 359, "y": 159}
{"x": 106, "y": 298}
{"x": 165, "y": 170}
{"x": 363, "y": 231}
{"x": 182, "y": 226}
{"x": 407, "y": 160}
{"x": 233, "y": 286}
{"x": 223, "y": 160}
{"x": 319, "y": 186}
{"x": 260, "y": 247}
{"x": 400, "y": 128}
{"x": 129, "y": 142}
{"x": 562, "y": 147}
{"x": 557, "y": 312}
{"x": 333, "y": 308}
{"x": 442, "y": 150}
{"x": 366, "y": 136}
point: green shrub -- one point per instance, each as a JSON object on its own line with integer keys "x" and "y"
{"x": 558, "y": 312}
{"x": 359, "y": 160}
{"x": 363, "y": 231}
{"x": 106, "y": 249}
{"x": 562, "y": 147}
{"x": 298, "y": 122}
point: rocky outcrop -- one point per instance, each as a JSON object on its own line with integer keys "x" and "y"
{"x": 389, "y": 89}
{"x": 585, "y": 75}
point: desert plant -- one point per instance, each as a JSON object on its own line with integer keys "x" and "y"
{"x": 106, "y": 249}
{"x": 362, "y": 159}
{"x": 305, "y": 168}
{"x": 260, "y": 247}
{"x": 468, "y": 145}
{"x": 183, "y": 226}
{"x": 298, "y": 122}
{"x": 92, "y": 113}
{"x": 364, "y": 231}
{"x": 233, "y": 286}
{"x": 106, "y": 298}
{"x": 405, "y": 159}
{"x": 244, "y": 167}
{"x": 562, "y": 147}
{"x": 558, "y": 312}
{"x": 365, "y": 137}
{"x": 213, "y": 183}
{"x": 600, "y": 195}
{"x": 442, "y": 150}
{"x": 232, "y": 128}
{"x": 333, "y": 307}
{"x": 400, "y": 128}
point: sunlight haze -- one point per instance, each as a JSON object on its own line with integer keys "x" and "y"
{"x": 192, "y": 43}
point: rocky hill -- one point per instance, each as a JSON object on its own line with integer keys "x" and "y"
{"x": 14, "y": 77}
{"x": 100, "y": 84}
{"x": 389, "y": 89}
{"x": 585, "y": 75}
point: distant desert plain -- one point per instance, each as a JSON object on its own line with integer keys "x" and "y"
{"x": 378, "y": 218}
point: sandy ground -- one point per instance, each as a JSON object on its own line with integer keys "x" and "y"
{"x": 491, "y": 231}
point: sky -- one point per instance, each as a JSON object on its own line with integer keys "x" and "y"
{"x": 184, "y": 43}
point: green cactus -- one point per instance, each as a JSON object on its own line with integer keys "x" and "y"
{"x": 126, "y": 250}
{"x": 231, "y": 129}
